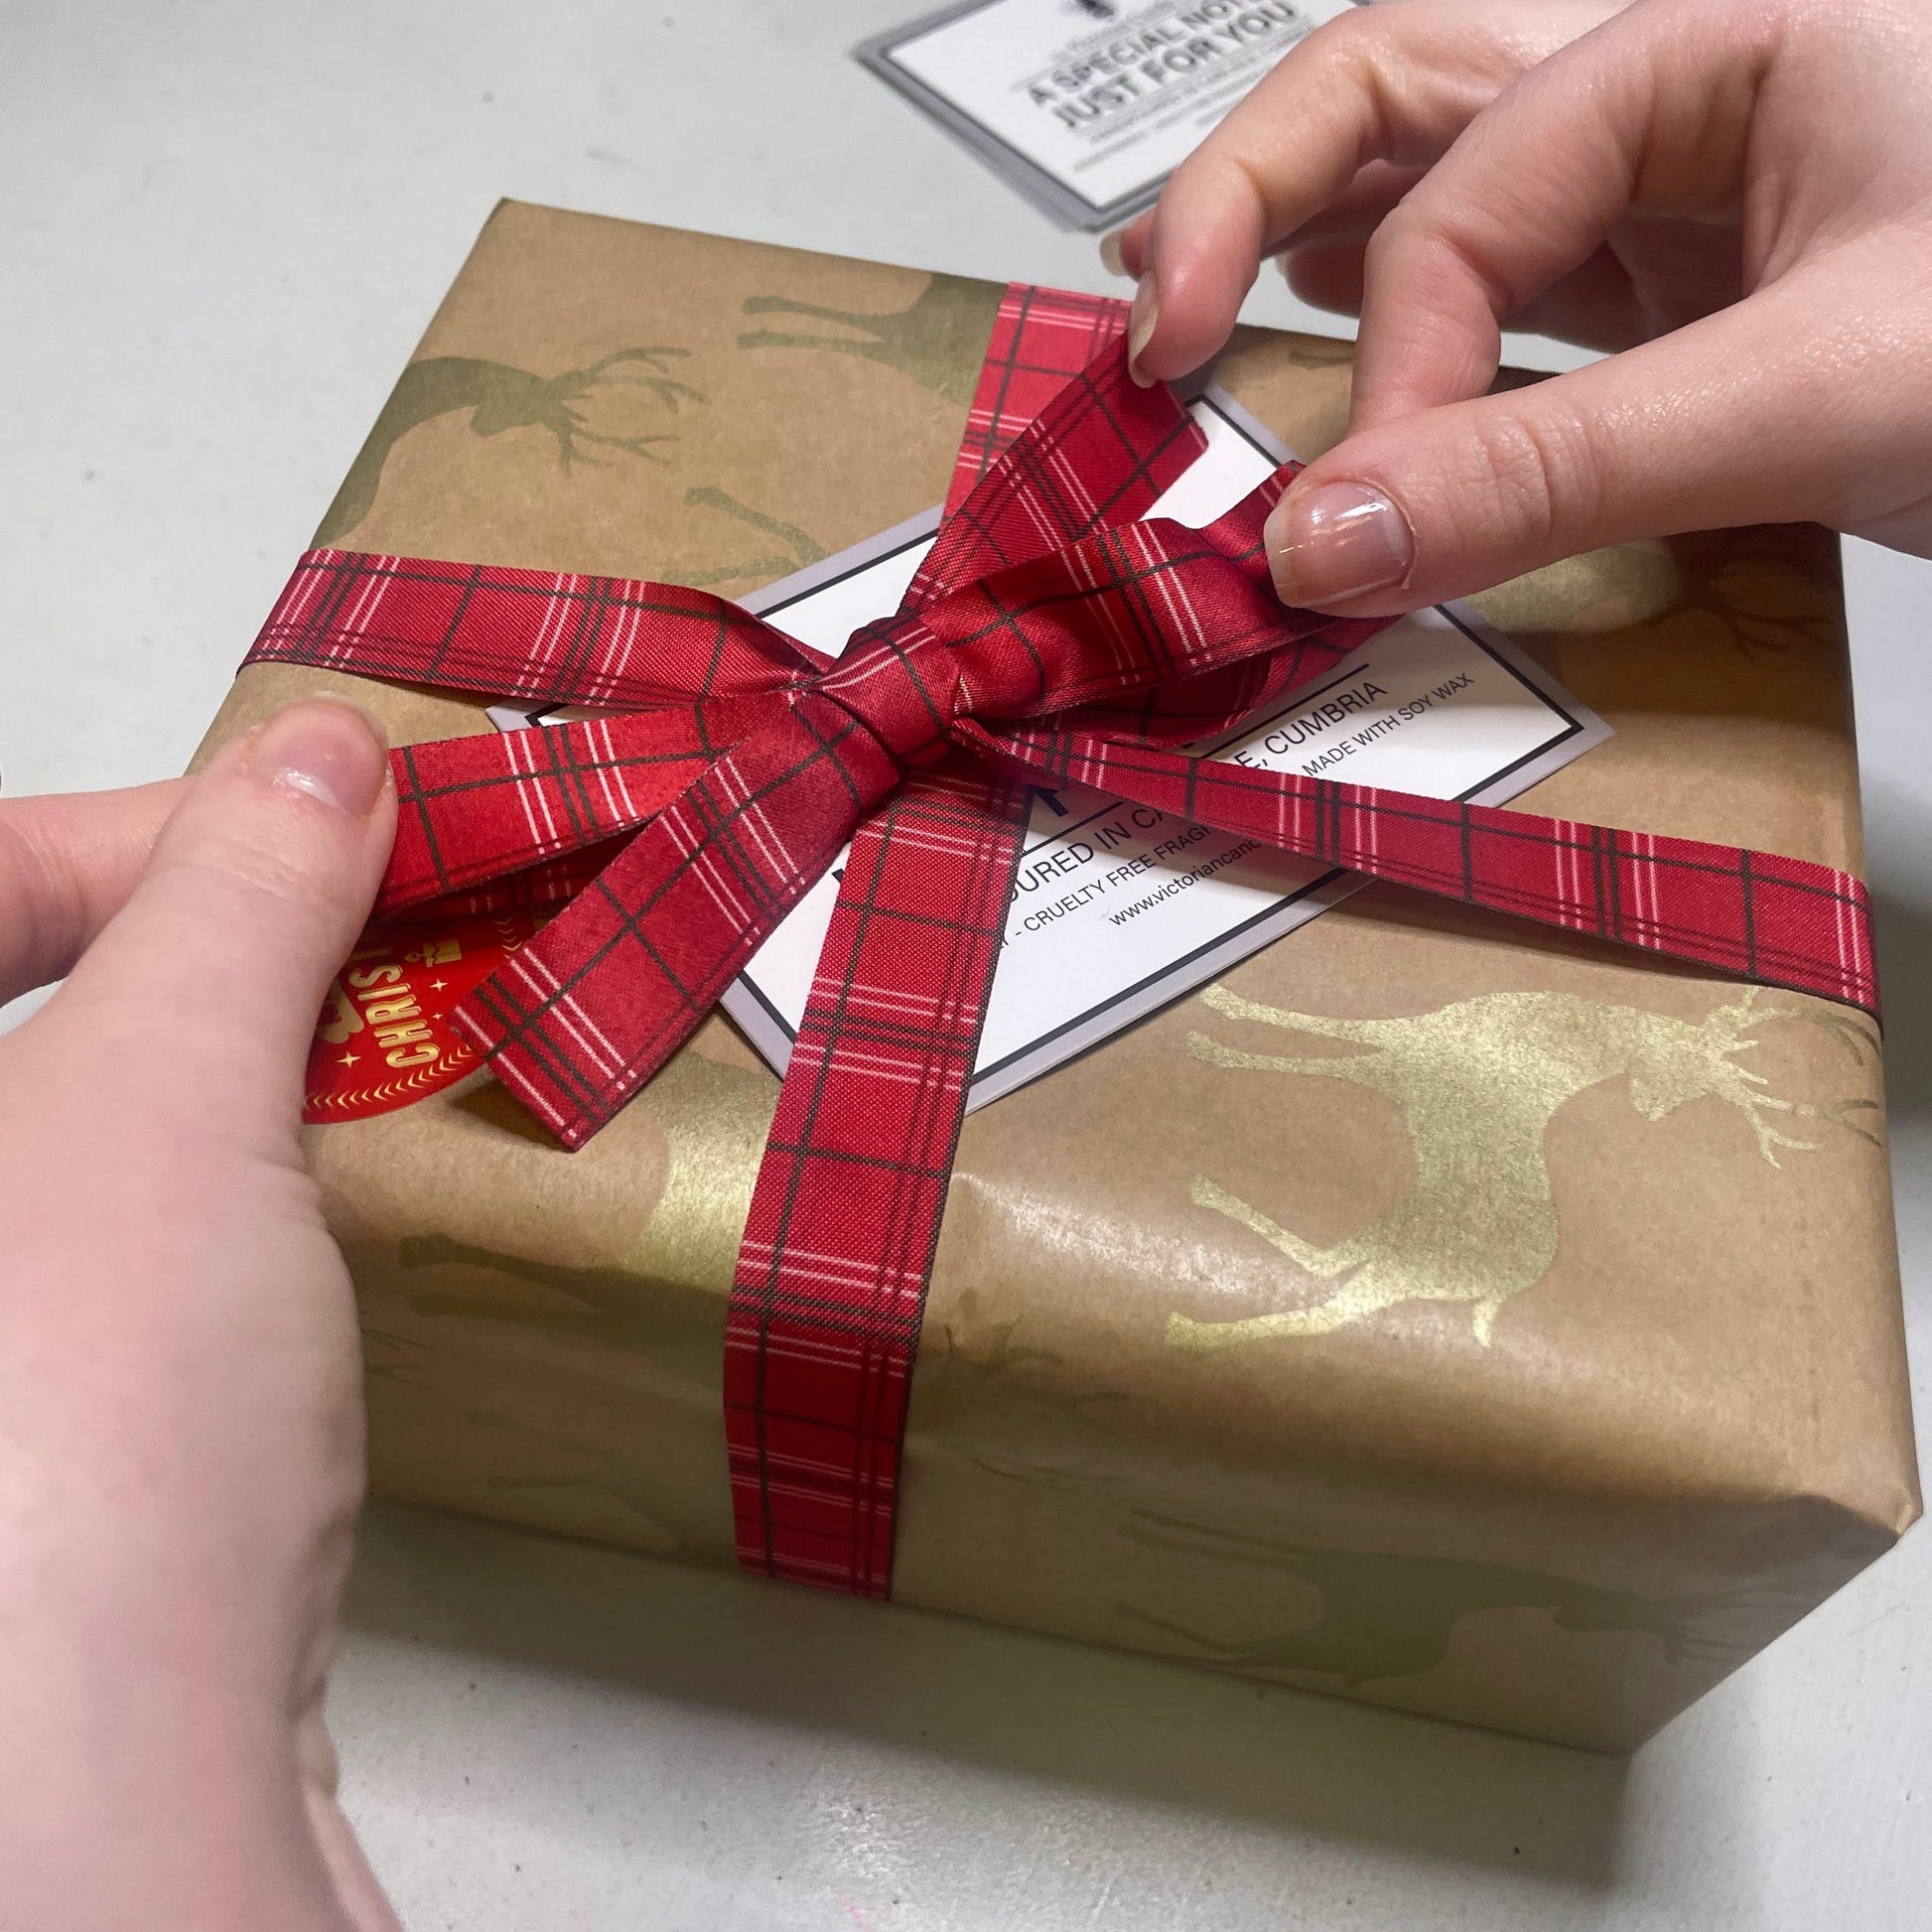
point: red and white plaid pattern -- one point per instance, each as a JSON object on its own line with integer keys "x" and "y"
{"x": 1050, "y": 637}
{"x": 1041, "y": 338}
{"x": 826, "y": 1305}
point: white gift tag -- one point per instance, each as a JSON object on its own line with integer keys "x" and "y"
{"x": 1118, "y": 909}
{"x": 1088, "y": 105}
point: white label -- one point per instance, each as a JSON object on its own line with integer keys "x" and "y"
{"x": 1118, "y": 909}
{"x": 1094, "y": 101}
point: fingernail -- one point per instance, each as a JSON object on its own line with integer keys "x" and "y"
{"x": 325, "y": 748}
{"x": 1336, "y": 541}
{"x": 1140, "y": 327}
{"x": 1111, "y": 259}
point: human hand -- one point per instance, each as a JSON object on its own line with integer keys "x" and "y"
{"x": 1734, "y": 194}
{"x": 181, "y": 1455}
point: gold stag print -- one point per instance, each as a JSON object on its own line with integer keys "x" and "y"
{"x": 1385, "y": 1617}
{"x": 1476, "y": 1084}
{"x": 664, "y": 1297}
{"x": 939, "y": 341}
{"x": 499, "y": 397}
{"x": 1007, "y": 1407}
{"x": 799, "y": 549}
{"x": 651, "y": 1505}
{"x": 614, "y": 1307}
{"x": 400, "y": 1360}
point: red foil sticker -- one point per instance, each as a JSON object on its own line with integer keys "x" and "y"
{"x": 383, "y": 1039}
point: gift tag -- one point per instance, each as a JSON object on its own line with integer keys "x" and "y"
{"x": 1087, "y": 105}
{"x": 383, "y": 1037}
{"x": 1118, "y": 909}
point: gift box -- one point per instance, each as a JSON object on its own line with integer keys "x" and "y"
{"x": 1435, "y": 1310}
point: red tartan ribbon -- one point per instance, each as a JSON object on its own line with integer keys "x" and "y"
{"x": 1052, "y": 636}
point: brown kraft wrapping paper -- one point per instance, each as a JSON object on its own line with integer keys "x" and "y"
{"x": 1438, "y": 1311}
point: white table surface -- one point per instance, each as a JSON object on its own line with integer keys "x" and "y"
{"x": 222, "y": 225}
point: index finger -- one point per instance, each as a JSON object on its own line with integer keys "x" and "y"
{"x": 66, "y": 866}
{"x": 1396, "y": 84}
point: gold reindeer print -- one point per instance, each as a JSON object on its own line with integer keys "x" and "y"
{"x": 1007, "y": 1408}
{"x": 500, "y": 398}
{"x": 799, "y": 546}
{"x": 1477, "y": 1083}
{"x": 391, "y": 1357}
{"x": 612, "y": 1306}
{"x": 629, "y": 1483}
{"x": 938, "y": 339}
{"x": 1392, "y": 1615}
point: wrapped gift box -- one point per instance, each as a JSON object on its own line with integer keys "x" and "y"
{"x": 1436, "y": 1310}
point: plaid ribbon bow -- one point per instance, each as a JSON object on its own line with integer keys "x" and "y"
{"x": 1051, "y": 637}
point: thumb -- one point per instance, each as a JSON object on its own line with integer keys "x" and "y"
{"x": 201, "y": 992}
{"x": 1740, "y": 418}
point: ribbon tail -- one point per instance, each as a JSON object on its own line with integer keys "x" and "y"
{"x": 472, "y": 810}
{"x": 1097, "y": 455}
{"x": 592, "y": 1006}
{"x": 1039, "y": 338}
{"x": 1749, "y": 915}
{"x": 546, "y": 637}
{"x": 825, "y": 1310}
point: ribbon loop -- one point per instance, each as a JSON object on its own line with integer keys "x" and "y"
{"x": 475, "y": 809}
{"x": 1097, "y": 454}
{"x": 543, "y": 637}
